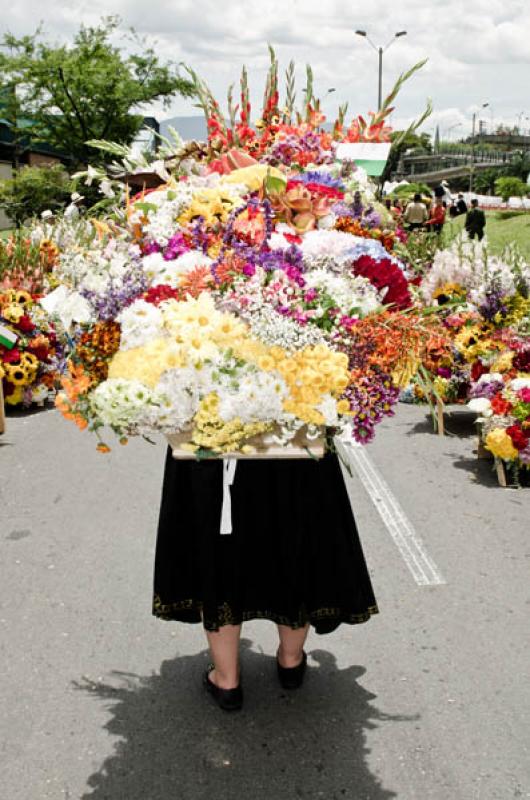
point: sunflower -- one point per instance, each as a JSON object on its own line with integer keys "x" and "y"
{"x": 16, "y": 374}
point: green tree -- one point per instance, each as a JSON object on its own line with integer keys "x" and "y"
{"x": 510, "y": 186}
{"x": 32, "y": 190}
{"x": 485, "y": 180}
{"x": 89, "y": 89}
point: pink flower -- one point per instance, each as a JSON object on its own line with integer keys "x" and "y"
{"x": 524, "y": 394}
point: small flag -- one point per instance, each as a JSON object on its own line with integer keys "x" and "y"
{"x": 7, "y": 337}
{"x": 371, "y": 156}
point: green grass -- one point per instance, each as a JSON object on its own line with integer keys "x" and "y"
{"x": 6, "y": 234}
{"x": 500, "y": 231}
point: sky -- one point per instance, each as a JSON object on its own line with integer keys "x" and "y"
{"x": 478, "y": 50}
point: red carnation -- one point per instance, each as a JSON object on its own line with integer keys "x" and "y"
{"x": 519, "y": 438}
{"x": 500, "y": 406}
{"x": 385, "y": 274}
{"x": 25, "y": 324}
{"x": 157, "y": 294}
{"x": 10, "y": 356}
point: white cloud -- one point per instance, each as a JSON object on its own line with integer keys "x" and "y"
{"x": 477, "y": 50}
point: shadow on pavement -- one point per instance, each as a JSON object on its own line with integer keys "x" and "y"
{"x": 175, "y": 743}
{"x": 458, "y": 422}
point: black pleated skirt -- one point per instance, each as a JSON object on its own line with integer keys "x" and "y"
{"x": 293, "y": 556}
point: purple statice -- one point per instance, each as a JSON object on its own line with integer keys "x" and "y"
{"x": 119, "y": 294}
{"x": 176, "y": 247}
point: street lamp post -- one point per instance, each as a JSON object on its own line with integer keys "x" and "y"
{"x": 380, "y": 51}
{"x": 472, "y": 167}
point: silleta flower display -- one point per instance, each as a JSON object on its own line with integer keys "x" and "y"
{"x": 238, "y": 301}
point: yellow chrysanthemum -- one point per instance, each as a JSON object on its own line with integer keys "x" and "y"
{"x": 147, "y": 363}
{"x": 500, "y": 444}
{"x": 213, "y": 433}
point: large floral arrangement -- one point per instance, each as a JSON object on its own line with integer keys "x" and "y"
{"x": 503, "y": 405}
{"x": 30, "y": 351}
{"x": 243, "y": 300}
{"x": 483, "y": 300}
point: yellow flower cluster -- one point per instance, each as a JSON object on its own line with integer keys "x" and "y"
{"x": 309, "y": 374}
{"x": 214, "y": 205}
{"x": 518, "y": 307}
{"x": 503, "y": 362}
{"x": 473, "y": 342}
{"x": 146, "y": 363}
{"x": 500, "y": 444}
{"x": 213, "y": 433}
{"x": 196, "y": 332}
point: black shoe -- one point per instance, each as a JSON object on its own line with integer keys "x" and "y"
{"x": 227, "y": 699}
{"x": 292, "y": 677}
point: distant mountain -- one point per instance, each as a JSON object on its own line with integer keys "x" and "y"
{"x": 188, "y": 127}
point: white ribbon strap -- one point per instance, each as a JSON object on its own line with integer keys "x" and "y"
{"x": 229, "y": 471}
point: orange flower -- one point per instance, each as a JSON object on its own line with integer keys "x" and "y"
{"x": 197, "y": 280}
{"x": 103, "y": 448}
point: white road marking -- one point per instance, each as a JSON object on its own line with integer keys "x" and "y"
{"x": 423, "y": 569}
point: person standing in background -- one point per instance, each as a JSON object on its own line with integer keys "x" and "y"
{"x": 437, "y": 217}
{"x": 475, "y": 221}
{"x": 415, "y": 215}
{"x": 461, "y": 205}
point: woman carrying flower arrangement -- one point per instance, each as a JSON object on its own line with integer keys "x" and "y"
{"x": 293, "y": 557}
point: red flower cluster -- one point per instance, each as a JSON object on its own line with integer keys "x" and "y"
{"x": 500, "y": 406}
{"x": 385, "y": 274}
{"x": 518, "y": 436}
{"x": 157, "y": 294}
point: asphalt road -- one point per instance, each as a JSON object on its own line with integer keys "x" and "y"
{"x": 428, "y": 701}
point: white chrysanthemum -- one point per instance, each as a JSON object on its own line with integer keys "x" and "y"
{"x": 154, "y": 265}
{"x": 348, "y": 292}
{"x": 328, "y": 409}
{"x": 256, "y": 396}
{"x": 140, "y": 322}
{"x": 122, "y": 404}
{"x": 68, "y": 306}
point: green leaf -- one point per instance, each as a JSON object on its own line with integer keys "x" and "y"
{"x": 274, "y": 184}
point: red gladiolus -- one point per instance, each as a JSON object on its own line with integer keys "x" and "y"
{"x": 519, "y": 438}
